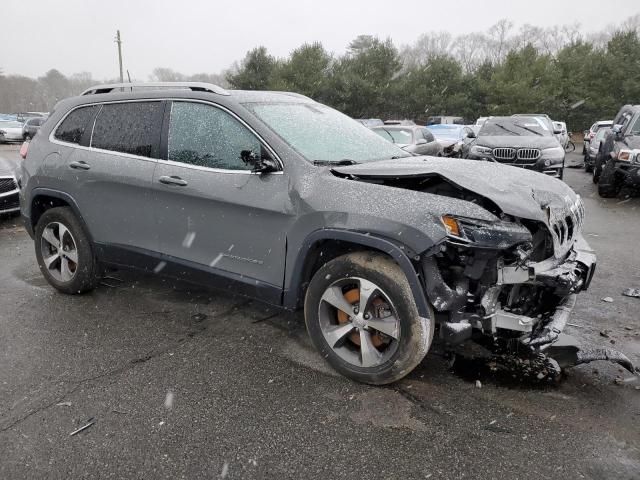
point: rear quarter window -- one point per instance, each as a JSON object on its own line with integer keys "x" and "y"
{"x": 132, "y": 128}
{"x": 74, "y": 126}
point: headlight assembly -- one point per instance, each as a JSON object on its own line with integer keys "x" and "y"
{"x": 482, "y": 234}
{"x": 478, "y": 150}
{"x": 554, "y": 152}
{"x": 625, "y": 155}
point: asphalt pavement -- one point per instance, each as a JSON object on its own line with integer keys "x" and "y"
{"x": 187, "y": 382}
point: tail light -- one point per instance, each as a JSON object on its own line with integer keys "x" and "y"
{"x": 24, "y": 149}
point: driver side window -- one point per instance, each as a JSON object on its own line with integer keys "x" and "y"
{"x": 207, "y": 136}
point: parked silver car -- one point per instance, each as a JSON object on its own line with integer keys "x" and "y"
{"x": 593, "y": 148}
{"x": 593, "y": 130}
{"x": 286, "y": 200}
{"x": 411, "y": 138}
{"x": 10, "y": 132}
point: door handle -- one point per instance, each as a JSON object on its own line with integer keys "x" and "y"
{"x": 173, "y": 181}
{"x": 81, "y": 165}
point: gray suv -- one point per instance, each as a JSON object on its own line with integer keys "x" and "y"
{"x": 283, "y": 199}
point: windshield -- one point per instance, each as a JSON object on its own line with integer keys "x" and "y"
{"x": 601, "y": 133}
{"x": 322, "y": 134}
{"x": 398, "y": 136}
{"x": 520, "y": 127}
{"x": 446, "y": 133}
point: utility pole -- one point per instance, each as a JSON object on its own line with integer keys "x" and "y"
{"x": 119, "y": 42}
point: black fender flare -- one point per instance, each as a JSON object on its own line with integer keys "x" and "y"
{"x": 68, "y": 199}
{"x": 290, "y": 298}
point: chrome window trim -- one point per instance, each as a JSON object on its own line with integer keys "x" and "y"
{"x": 55, "y": 141}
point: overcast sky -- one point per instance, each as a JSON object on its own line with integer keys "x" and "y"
{"x": 207, "y": 36}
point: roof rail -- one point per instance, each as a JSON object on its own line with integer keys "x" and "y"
{"x": 193, "y": 86}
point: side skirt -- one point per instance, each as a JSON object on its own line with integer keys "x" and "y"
{"x": 185, "y": 270}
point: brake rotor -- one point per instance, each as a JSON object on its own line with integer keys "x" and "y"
{"x": 353, "y": 297}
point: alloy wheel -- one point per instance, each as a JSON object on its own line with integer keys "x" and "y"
{"x": 59, "y": 251}
{"x": 359, "y": 322}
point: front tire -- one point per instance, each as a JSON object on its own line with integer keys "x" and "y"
{"x": 64, "y": 253}
{"x": 608, "y": 185}
{"x": 362, "y": 317}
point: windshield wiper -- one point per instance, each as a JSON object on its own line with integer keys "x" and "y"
{"x": 506, "y": 129}
{"x": 344, "y": 161}
{"x": 527, "y": 128}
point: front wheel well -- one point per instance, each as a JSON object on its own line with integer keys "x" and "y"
{"x": 320, "y": 253}
{"x": 42, "y": 203}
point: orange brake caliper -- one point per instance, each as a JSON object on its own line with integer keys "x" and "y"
{"x": 353, "y": 297}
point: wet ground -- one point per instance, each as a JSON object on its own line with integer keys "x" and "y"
{"x": 186, "y": 382}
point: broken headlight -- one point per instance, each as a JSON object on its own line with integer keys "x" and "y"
{"x": 483, "y": 234}
{"x": 478, "y": 150}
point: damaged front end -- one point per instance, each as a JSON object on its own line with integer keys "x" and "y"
{"x": 512, "y": 286}
{"x": 507, "y": 281}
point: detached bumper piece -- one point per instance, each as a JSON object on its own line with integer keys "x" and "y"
{"x": 565, "y": 349}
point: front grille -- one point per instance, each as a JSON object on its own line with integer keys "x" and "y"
{"x": 528, "y": 153}
{"x": 10, "y": 202}
{"x": 566, "y": 226}
{"x": 504, "y": 153}
{"x": 7, "y": 184}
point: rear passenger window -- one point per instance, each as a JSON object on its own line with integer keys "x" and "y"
{"x": 207, "y": 136}
{"x": 77, "y": 122}
{"x": 132, "y": 127}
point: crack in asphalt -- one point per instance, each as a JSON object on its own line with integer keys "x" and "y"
{"x": 121, "y": 369}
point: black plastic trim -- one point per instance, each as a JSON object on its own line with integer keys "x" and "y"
{"x": 62, "y": 196}
{"x": 168, "y": 266}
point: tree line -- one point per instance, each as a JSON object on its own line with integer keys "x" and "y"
{"x": 558, "y": 70}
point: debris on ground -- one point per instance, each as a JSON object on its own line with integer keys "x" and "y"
{"x": 618, "y": 381}
{"x": 198, "y": 317}
{"x": 631, "y": 292}
{"x": 605, "y": 333}
{"x": 478, "y": 384}
{"x": 90, "y": 422}
{"x": 63, "y": 404}
{"x": 168, "y": 400}
{"x": 607, "y": 299}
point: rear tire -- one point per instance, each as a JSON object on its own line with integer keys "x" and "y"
{"x": 64, "y": 253}
{"x": 608, "y": 185}
{"x": 403, "y": 347}
{"x": 597, "y": 167}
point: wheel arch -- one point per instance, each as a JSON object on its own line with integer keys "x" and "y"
{"x": 43, "y": 199}
{"x": 324, "y": 245}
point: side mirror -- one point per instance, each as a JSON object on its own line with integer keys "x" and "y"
{"x": 421, "y": 141}
{"x": 260, "y": 163}
{"x": 557, "y": 132}
{"x": 471, "y": 135}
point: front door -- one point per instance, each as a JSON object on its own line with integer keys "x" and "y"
{"x": 212, "y": 212}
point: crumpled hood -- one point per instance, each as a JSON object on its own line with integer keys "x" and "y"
{"x": 516, "y": 191}
{"x": 632, "y": 141}
{"x": 515, "y": 141}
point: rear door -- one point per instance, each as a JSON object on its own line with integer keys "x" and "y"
{"x": 111, "y": 179}
{"x": 213, "y": 213}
